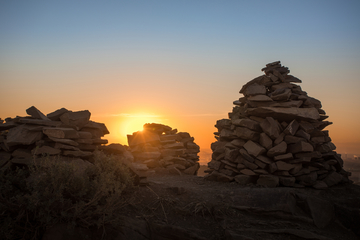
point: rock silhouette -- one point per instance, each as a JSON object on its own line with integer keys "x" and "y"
{"x": 163, "y": 149}
{"x": 61, "y": 133}
{"x": 275, "y": 137}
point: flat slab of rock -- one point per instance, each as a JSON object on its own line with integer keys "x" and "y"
{"x": 78, "y": 119}
{"x": 21, "y": 135}
{"x": 253, "y": 148}
{"x": 61, "y": 133}
{"x": 55, "y": 116}
{"x": 36, "y": 113}
{"x": 285, "y": 114}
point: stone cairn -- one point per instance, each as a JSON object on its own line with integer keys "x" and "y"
{"x": 162, "y": 149}
{"x": 61, "y": 133}
{"x": 274, "y": 137}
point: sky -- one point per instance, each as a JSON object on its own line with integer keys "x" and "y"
{"x": 179, "y": 63}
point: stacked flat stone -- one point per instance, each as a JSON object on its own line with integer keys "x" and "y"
{"x": 160, "y": 148}
{"x": 275, "y": 137}
{"x": 62, "y": 132}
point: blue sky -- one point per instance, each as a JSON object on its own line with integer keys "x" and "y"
{"x": 180, "y": 57}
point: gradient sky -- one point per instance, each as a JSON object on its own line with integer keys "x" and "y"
{"x": 180, "y": 63}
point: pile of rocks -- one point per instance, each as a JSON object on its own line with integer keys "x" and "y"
{"x": 275, "y": 136}
{"x": 62, "y": 132}
{"x": 162, "y": 148}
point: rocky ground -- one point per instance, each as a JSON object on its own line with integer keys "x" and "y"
{"x": 189, "y": 207}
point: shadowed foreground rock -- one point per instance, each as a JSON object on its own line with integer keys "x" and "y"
{"x": 275, "y": 137}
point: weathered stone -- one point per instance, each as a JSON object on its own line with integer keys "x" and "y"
{"x": 298, "y": 167}
{"x": 21, "y": 153}
{"x": 96, "y": 125}
{"x": 277, "y": 150}
{"x": 246, "y": 155}
{"x": 65, "y": 146}
{"x": 306, "y": 126}
{"x": 21, "y": 135}
{"x": 292, "y": 128}
{"x": 255, "y": 89}
{"x": 174, "y": 137}
{"x": 283, "y": 166}
{"x": 147, "y": 155}
{"x": 55, "y": 116}
{"x": 40, "y": 122}
{"x": 284, "y": 157}
{"x": 272, "y": 167}
{"x": 84, "y": 141}
{"x": 98, "y": 141}
{"x": 268, "y": 181}
{"x": 152, "y": 163}
{"x": 253, "y": 148}
{"x": 245, "y": 179}
{"x": 64, "y": 141}
{"x": 46, "y": 150}
{"x": 261, "y": 171}
{"x": 36, "y": 113}
{"x": 282, "y": 94}
{"x": 292, "y": 139}
{"x": 248, "y": 123}
{"x": 238, "y": 142}
{"x": 320, "y": 185}
{"x": 259, "y": 98}
{"x": 247, "y": 134}
{"x": 78, "y": 119}
{"x": 227, "y": 134}
{"x": 301, "y": 133}
{"x": 308, "y": 179}
{"x": 231, "y": 154}
{"x": 177, "y": 145}
{"x": 61, "y": 132}
{"x": 285, "y": 114}
{"x": 265, "y": 141}
{"x": 264, "y": 159}
{"x": 177, "y": 166}
{"x": 84, "y": 135}
{"x": 300, "y": 147}
{"x": 326, "y": 147}
{"x": 247, "y": 172}
{"x": 279, "y": 139}
{"x": 271, "y": 127}
{"x": 333, "y": 179}
{"x": 260, "y": 163}
{"x": 143, "y": 137}
{"x": 95, "y": 132}
{"x": 216, "y": 176}
{"x": 287, "y": 181}
{"x": 250, "y": 165}
{"x": 192, "y": 170}
{"x": 80, "y": 154}
{"x": 318, "y": 140}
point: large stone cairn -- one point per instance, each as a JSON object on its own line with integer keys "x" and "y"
{"x": 275, "y": 137}
{"x": 162, "y": 148}
{"x": 61, "y": 133}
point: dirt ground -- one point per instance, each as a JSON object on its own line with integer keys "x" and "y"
{"x": 216, "y": 210}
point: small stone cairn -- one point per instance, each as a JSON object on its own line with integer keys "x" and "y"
{"x": 61, "y": 133}
{"x": 275, "y": 137}
{"x": 164, "y": 150}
